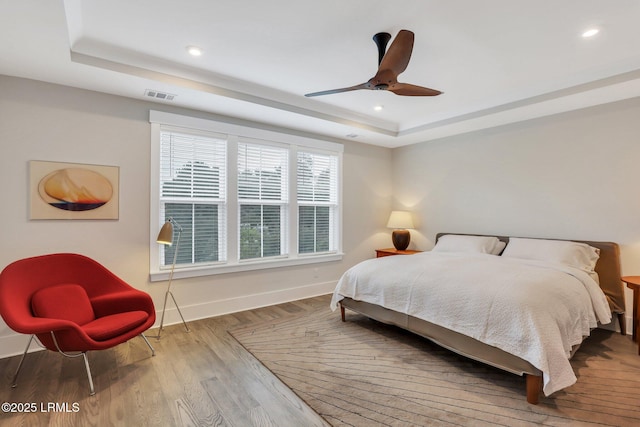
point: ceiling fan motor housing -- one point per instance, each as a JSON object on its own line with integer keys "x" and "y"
{"x": 381, "y": 40}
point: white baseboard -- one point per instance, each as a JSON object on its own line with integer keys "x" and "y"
{"x": 247, "y": 302}
{"x": 14, "y": 344}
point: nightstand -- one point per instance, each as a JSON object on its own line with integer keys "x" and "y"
{"x": 633, "y": 282}
{"x": 393, "y": 251}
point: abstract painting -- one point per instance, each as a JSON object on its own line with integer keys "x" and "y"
{"x": 73, "y": 191}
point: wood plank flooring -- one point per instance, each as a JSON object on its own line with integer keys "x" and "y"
{"x": 201, "y": 378}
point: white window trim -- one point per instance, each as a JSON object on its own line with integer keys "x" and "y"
{"x": 235, "y": 132}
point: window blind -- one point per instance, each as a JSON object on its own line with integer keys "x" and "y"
{"x": 193, "y": 192}
{"x": 263, "y": 199}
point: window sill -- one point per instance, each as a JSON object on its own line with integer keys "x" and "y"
{"x": 182, "y": 273}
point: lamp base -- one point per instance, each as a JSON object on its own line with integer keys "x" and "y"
{"x": 164, "y": 309}
{"x": 401, "y": 239}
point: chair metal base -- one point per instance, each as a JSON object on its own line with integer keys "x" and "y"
{"x": 14, "y": 382}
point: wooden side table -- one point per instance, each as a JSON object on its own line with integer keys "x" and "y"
{"x": 633, "y": 282}
{"x": 393, "y": 251}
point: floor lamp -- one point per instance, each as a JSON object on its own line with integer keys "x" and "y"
{"x": 165, "y": 237}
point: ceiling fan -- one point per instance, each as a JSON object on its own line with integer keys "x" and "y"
{"x": 390, "y": 65}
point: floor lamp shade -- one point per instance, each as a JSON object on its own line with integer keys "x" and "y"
{"x": 165, "y": 236}
{"x": 400, "y": 221}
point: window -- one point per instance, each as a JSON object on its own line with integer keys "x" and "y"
{"x": 263, "y": 200}
{"x": 317, "y": 182}
{"x": 192, "y": 192}
{"x": 245, "y": 198}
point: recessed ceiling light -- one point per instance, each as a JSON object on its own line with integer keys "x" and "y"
{"x": 378, "y": 107}
{"x": 194, "y": 50}
{"x": 590, "y": 33}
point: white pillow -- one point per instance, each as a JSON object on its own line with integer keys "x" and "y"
{"x": 469, "y": 244}
{"x": 574, "y": 254}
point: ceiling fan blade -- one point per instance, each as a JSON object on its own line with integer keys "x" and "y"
{"x": 366, "y": 85}
{"x": 397, "y": 57}
{"x": 406, "y": 89}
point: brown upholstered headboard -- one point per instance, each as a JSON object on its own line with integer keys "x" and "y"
{"x": 607, "y": 267}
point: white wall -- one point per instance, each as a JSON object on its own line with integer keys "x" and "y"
{"x": 40, "y": 121}
{"x": 572, "y": 176}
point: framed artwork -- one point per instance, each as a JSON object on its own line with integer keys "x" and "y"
{"x": 73, "y": 191}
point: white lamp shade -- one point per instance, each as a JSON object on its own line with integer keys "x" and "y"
{"x": 400, "y": 220}
{"x": 165, "y": 236}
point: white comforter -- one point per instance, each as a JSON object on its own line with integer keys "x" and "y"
{"x": 532, "y": 309}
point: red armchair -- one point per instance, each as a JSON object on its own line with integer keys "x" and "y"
{"x": 73, "y": 305}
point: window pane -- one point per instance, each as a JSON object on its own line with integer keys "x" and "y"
{"x": 206, "y": 240}
{"x": 260, "y": 231}
{"x": 317, "y": 177}
{"x": 314, "y": 229}
{"x": 192, "y": 166}
{"x": 322, "y": 228}
{"x": 194, "y": 247}
{"x": 271, "y": 231}
{"x": 306, "y": 229}
{"x": 262, "y": 172}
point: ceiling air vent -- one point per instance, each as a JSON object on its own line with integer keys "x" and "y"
{"x": 159, "y": 95}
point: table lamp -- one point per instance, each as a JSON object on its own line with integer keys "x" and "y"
{"x": 400, "y": 221}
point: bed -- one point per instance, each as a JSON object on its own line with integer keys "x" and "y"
{"x": 516, "y": 308}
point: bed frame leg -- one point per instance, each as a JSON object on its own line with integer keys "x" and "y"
{"x": 534, "y": 385}
{"x": 623, "y": 323}
{"x": 342, "y": 312}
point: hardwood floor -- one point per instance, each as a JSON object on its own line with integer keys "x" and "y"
{"x": 201, "y": 378}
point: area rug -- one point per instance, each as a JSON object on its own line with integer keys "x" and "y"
{"x": 364, "y": 373}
